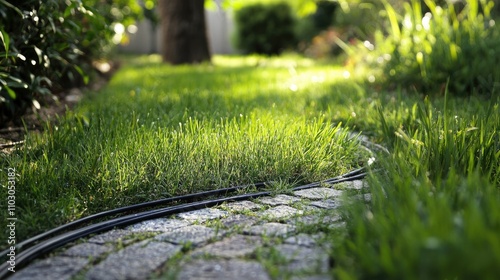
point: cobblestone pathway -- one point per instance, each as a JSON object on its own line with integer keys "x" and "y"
{"x": 276, "y": 237}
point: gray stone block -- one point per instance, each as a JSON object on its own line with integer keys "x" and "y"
{"x": 194, "y": 234}
{"x": 231, "y": 247}
{"x": 326, "y": 204}
{"x": 353, "y": 185}
{"x": 303, "y": 240}
{"x": 270, "y": 229}
{"x": 156, "y": 225}
{"x": 52, "y": 268}
{"x": 281, "y": 212}
{"x": 112, "y": 236}
{"x": 241, "y": 206}
{"x": 87, "y": 250}
{"x": 318, "y": 193}
{"x": 303, "y": 258}
{"x": 238, "y": 221}
{"x": 137, "y": 261}
{"x": 280, "y": 199}
{"x": 315, "y": 219}
{"x": 203, "y": 215}
{"x": 223, "y": 269}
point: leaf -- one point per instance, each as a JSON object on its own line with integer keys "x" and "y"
{"x": 307, "y": 8}
{"x": 393, "y": 19}
{"x": 211, "y": 5}
{"x": 12, "y": 7}
{"x": 36, "y": 104}
{"x": 11, "y": 93}
{"x": 5, "y": 40}
{"x": 21, "y": 57}
{"x": 39, "y": 53}
{"x": 69, "y": 10}
{"x": 84, "y": 76}
{"x": 51, "y": 21}
{"x": 16, "y": 80}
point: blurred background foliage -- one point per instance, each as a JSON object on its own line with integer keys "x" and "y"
{"x": 265, "y": 29}
{"x": 48, "y": 46}
{"x": 427, "y": 45}
{"x": 422, "y": 45}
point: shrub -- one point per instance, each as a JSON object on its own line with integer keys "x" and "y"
{"x": 316, "y": 32}
{"x": 325, "y": 44}
{"x": 265, "y": 29}
{"x": 46, "y": 46}
{"x": 41, "y": 49}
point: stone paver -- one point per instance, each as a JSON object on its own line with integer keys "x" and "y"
{"x": 52, "y": 268}
{"x": 303, "y": 258}
{"x": 136, "y": 261}
{"x": 271, "y": 229}
{"x": 302, "y": 239}
{"x": 87, "y": 250}
{"x": 158, "y": 225}
{"x": 310, "y": 220}
{"x": 280, "y": 199}
{"x": 203, "y": 215}
{"x": 367, "y": 197}
{"x": 318, "y": 193}
{"x": 112, "y": 236}
{"x": 223, "y": 269}
{"x": 242, "y": 206}
{"x": 231, "y": 247}
{"x": 226, "y": 242}
{"x": 281, "y": 212}
{"x": 326, "y": 204}
{"x": 238, "y": 221}
{"x": 195, "y": 235}
{"x": 353, "y": 185}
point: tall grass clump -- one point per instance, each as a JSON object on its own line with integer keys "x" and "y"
{"x": 435, "y": 209}
{"x": 423, "y": 45}
{"x": 435, "y": 142}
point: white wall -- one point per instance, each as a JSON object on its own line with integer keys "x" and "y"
{"x": 219, "y": 29}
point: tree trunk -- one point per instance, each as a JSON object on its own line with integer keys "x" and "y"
{"x": 184, "y": 31}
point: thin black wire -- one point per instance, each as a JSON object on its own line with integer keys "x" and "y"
{"x": 60, "y": 240}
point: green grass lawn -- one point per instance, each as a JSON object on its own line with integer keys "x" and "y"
{"x": 157, "y": 131}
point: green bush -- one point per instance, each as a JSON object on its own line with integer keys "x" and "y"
{"x": 265, "y": 29}
{"x": 43, "y": 48}
{"x": 424, "y": 51}
{"x": 309, "y": 26}
{"x": 47, "y": 46}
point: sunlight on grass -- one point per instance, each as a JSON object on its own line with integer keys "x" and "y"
{"x": 158, "y": 131}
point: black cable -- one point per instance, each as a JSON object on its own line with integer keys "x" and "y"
{"x": 184, "y": 198}
{"x": 58, "y": 241}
